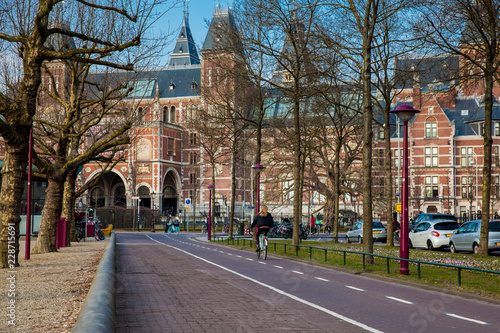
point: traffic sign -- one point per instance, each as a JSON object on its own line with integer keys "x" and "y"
{"x": 187, "y": 201}
{"x": 250, "y": 207}
{"x": 398, "y": 208}
{"x": 134, "y": 198}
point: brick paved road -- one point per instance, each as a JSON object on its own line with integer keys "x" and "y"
{"x": 162, "y": 290}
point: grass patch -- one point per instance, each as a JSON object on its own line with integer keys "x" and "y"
{"x": 474, "y": 282}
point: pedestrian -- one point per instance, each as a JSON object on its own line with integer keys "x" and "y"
{"x": 312, "y": 222}
{"x": 169, "y": 217}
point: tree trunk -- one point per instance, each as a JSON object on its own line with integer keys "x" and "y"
{"x": 13, "y": 176}
{"x": 388, "y": 179}
{"x": 46, "y": 240}
{"x": 68, "y": 205}
{"x": 367, "y": 154}
{"x": 488, "y": 110}
{"x": 297, "y": 199}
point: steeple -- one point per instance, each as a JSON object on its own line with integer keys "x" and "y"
{"x": 185, "y": 53}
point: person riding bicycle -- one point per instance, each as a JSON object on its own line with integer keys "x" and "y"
{"x": 262, "y": 223}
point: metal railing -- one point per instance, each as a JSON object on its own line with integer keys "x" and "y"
{"x": 419, "y": 263}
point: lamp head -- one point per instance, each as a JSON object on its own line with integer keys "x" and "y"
{"x": 405, "y": 112}
{"x": 258, "y": 167}
{"x": 210, "y": 187}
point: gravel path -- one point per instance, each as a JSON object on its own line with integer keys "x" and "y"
{"x": 49, "y": 289}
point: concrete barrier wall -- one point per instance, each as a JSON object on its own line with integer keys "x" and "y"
{"x": 98, "y": 311}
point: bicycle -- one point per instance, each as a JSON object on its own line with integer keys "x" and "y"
{"x": 98, "y": 234}
{"x": 173, "y": 229}
{"x": 262, "y": 249}
{"x": 80, "y": 231}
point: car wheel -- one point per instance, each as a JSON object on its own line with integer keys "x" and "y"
{"x": 475, "y": 248}
{"x": 429, "y": 245}
{"x": 348, "y": 239}
{"x": 410, "y": 245}
{"x": 360, "y": 240}
{"x": 452, "y": 248}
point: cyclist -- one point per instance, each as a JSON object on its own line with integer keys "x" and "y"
{"x": 262, "y": 223}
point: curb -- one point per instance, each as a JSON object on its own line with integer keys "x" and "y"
{"x": 98, "y": 311}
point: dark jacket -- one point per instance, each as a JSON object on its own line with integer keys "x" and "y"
{"x": 261, "y": 221}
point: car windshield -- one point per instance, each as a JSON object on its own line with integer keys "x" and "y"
{"x": 446, "y": 226}
{"x": 494, "y": 226}
{"x": 378, "y": 225}
{"x": 442, "y": 217}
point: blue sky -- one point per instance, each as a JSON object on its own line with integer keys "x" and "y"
{"x": 199, "y": 12}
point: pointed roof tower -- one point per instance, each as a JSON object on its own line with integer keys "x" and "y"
{"x": 222, "y": 31}
{"x": 185, "y": 53}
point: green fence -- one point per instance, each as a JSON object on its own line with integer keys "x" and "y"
{"x": 419, "y": 263}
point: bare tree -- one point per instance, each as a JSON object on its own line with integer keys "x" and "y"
{"x": 28, "y": 26}
{"x": 471, "y": 30}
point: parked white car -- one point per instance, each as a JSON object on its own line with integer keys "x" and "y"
{"x": 466, "y": 238}
{"x": 433, "y": 234}
{"x": 355, "y": 234}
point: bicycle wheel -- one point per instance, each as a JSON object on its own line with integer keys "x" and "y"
{"x": 177, "y": 229}
{"x": 101, "y": 235}
{"x": 264, "y": 248}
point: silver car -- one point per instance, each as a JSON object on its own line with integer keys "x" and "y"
{"x": 355, "y": 234}
{"x": 433, "y": 234}
{"x": 466, "y": 238}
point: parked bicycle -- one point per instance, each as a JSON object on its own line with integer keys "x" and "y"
{"x": 80, "y": 231}
{"x": 98, "y": 234}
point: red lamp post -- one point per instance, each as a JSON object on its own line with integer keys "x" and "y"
{"x": 27, "y": 244}
{"x": 153, "y": 206}
{"x": 405, "y": 113}
{"x": 209, "y": 226}
{"x": 258, "y": 168}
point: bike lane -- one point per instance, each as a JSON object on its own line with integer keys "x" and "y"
{"x": 303, "y": 297}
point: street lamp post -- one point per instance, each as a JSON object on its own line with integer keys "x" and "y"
{"x": 27, "y": 248}
{"x": 477, "y": 184}
{"x": 153, "y": 205}
{"x": 209, "y": 225}
{"x": 405, "y": 113}
{"x": 258, "y": 168}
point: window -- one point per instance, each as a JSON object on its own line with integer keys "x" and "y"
{"x": 209, "y": 78}
{"x": 398, "y": 155}
{"x": 381, "y": 133}
{"x": 496, "y": 157}
{"x": 171, "y": 146}
{"x": 467, "y": 156}
{"x": 140, "y": 114}
{"x": 496, "y": 128}
{"x": 431, "y": 156}
{"x": 431, "y": 129}
{"x": 192, "y": 138}
{"x": 165, "y": 114}
{"x": 192, "y": 178}
{"x": 172, "y": 114}
{"x": 431, "y": 187}
{"x": 467, "y": 187}
{"x": 193, "y": 158}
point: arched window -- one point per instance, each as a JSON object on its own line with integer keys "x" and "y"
{"x": 165, "y": 114}
{"x": 97, "y": 197}
{"x": 140, "y": 114}
{"x": 119, "y": 198}
{"x": 172, "y": 114}
{"x": 169, "y": 192}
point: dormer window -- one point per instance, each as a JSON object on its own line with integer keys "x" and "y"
{"x": 180, "y": 50}
{"x": 194, "y": 85}
{"x": 172, "y": 86}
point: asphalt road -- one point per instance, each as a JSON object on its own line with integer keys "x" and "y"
{"x": 173, "y": 283}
